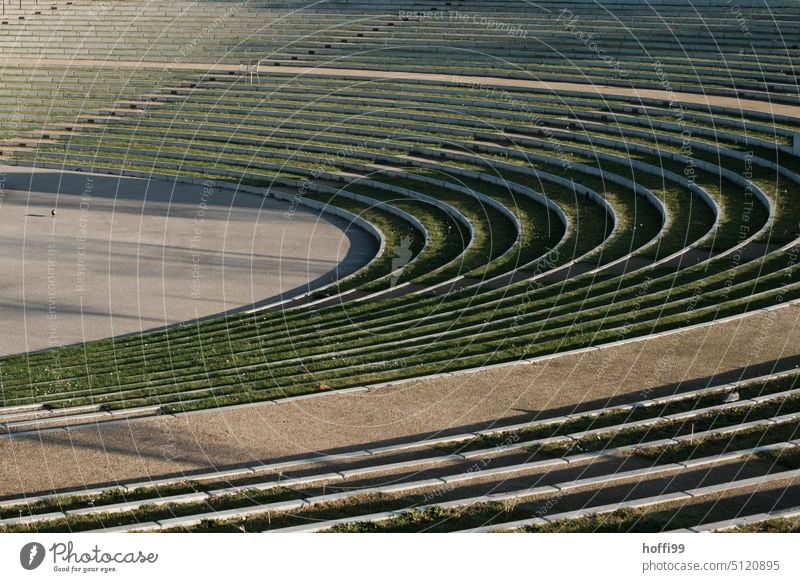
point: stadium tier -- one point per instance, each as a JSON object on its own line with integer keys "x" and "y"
{"x": 539, "y": 180}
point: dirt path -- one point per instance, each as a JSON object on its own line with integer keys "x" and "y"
{"x": 222, "y": 438}
{"x": 465, "y": 80}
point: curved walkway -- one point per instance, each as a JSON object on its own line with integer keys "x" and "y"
{"x": 475, "y": 81}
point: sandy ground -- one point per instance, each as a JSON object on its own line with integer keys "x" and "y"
{"x": 223, "y": 438}
{"x": 124, "y": 254}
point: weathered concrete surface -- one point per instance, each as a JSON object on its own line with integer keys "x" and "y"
{"x": 124, "y": 254}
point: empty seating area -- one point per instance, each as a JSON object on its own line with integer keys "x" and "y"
{"x": 516, "y": 222}
{"x": 730, "y": 49}
{"x": 490, "y": 205}
{"x": 675, "y": 457}
{"x": 746, "y": 49}
{"x": 162, "y": 31}
{"x": 36, "y": 98}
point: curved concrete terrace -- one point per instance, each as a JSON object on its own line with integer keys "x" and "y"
{"x": 705, "y": 99}
{"x": 215, "y": 440}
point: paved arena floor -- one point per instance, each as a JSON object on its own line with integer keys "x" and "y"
{"x": 124, "y": 254}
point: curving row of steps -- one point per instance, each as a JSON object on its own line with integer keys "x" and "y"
{"x": 514, "y": 222}
{"x": 747, "y": 49}
{"x": 492, "y": 207}
{"x": 657, "y": 439}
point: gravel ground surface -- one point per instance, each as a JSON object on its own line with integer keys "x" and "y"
{"x": 222, "y": 438}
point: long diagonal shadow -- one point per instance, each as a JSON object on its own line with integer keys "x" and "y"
{"x": 191, "y": 452}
